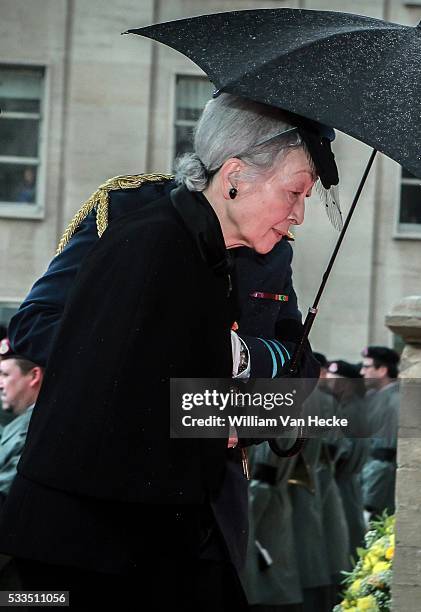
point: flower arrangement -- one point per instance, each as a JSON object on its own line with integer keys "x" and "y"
{"x": 367, "y": 586}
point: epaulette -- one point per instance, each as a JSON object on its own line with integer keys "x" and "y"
{"x": 100, "y": 200}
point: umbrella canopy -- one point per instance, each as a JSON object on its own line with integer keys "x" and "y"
{"x": 357, "y": 74}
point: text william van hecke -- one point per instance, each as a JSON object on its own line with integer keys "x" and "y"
{"x": 286, "y": 421}
{"x": 256, "y": 421}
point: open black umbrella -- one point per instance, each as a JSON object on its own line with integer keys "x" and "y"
{"x": 354, "y": 73}
{"x": 357, "y": 74}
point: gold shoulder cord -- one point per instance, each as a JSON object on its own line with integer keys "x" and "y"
{"x": 99, "y": 200}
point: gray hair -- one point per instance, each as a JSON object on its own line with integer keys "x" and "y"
{"x": 235, "y": 127}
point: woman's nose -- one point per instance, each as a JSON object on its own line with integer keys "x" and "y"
{"x": 297, "y": 213}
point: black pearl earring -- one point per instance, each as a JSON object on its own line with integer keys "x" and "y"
{"x": 233, "y": 193}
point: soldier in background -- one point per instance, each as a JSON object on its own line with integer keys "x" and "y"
{"x": 350, "y": 453}
{"x": 6, "y": 416}
{"x": 335, "y": 526}
{"x": 380, "y": 371}
{"x": 20, "y": 383}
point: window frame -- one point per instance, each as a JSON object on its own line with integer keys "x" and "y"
{"x": 402, "y": 231}
{"x": 19, "y": 210}
{"x": 173, "y": 113}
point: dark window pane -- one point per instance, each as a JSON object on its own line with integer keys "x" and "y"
{"x": 406, "y": 174}
{"x": 183, "y": 139}
{"x": 191, "y": 96}
{"x": 410, "y": 211}
{"x": 19, "y": 137}
{"x": 19, "y": 105}
{"x": 17, "y": 183}
{"x": 190, "y": 114}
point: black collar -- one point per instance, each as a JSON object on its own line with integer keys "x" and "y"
{"x": 203, "y": 225}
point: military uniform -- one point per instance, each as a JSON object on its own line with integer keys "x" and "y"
{"x": 306, "y": 499}
{"x": 379, "y": 472}
{"x": 349, "y": 458}
{"x": 11, "y": 445}
{"x": 335, "y": 526}
{"x": 271, "y": 576}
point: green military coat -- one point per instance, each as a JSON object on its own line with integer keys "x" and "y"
{"x": 335, "y": 526}
{"x": 11, "y": 445}
{"x": 271, "y": 576}
{"x": 349, "y": 458}
{"x": 379, "y": 472}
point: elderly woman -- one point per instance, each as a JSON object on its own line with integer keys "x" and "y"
{"x": 102, "y": 489}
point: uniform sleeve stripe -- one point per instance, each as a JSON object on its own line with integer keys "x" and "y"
{"x": 274, "y": 365}
{"x": 275, "y": 344}
{"x": 284, "y": 347}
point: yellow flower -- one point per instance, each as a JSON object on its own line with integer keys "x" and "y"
{"x": 355, "y": 587}
{"x": 381, "y": 566}
{"x": 368, "y": 604}
{"x": 370, "y": 560}
{"x": 349, "y": 604}
{"x": 366, "y": 564}
{"x": 392, "y": 540}
{"x": 377, "y": 548}
{"x": 389, "y": 553}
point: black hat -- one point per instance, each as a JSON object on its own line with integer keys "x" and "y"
{"x": 382, "y": 354}
{"x": 344, "y": 368}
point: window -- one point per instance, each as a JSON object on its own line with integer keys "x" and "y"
{"x": 192, "y": 93}
{"x": 410, "y": 205}
{"x": 7, "y": 310}
{"x": 21, "y": 96}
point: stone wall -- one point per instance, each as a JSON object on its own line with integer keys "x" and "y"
{"x": 405, "y": 320}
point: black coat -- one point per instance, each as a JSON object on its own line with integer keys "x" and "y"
{"x": 147, "y": 306}
{"x": 149, "y": 303}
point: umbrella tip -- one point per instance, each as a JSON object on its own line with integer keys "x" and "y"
{"x": 419, "y": 26}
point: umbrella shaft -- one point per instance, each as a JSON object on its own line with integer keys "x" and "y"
{"x": 344, "y": 229}
{"x": 311, "y": 315}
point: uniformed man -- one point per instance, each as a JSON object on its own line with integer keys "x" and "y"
{"x": 5, "y": 415}
{"x": 335, "y": 526}
{"x": 380, "y": 371}
{"x": 20, "y": 382}
{"x": 350, "y": 453}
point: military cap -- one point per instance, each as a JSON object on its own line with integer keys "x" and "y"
{"x": 6, "y": 351}
{"x": 344, "y": 368}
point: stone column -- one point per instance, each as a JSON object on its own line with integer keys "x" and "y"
{"x": 405, "y": 321}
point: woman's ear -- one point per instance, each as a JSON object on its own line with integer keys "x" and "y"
{"x": 229, "y": 176}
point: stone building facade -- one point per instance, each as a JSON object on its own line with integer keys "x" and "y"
{"x": 93, "y": 104}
